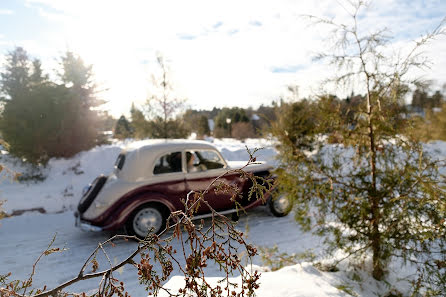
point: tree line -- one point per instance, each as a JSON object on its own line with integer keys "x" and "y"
{"x": 228, "y": 122}
{"x": 58, "y": 114}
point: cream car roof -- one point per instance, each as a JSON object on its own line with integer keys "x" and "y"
{"x": 141, "y": 156}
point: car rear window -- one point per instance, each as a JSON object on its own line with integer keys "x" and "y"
{"x": 168, "y": 163}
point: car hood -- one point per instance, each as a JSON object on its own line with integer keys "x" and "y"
{"x": 259, "y": 166}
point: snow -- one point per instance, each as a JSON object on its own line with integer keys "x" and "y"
{"x": 289, "y": 281}
{"x": 24, "y": 237}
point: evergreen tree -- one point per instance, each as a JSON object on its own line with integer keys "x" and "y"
{"x": 377, "y": 190}
{"x": 228, "y": 117}
{"x": 142, "y": 127}
{"x": 79, "y": 122}
{"x": 42, "y": 119}
{"x": 16, "y": 76}
{"x": 203, "y": 126}
{"x": 422, "y": 101}
{"x": 123, "y": 129}
{"x": 25, "y": 118}
{"x": 196, "y": 121}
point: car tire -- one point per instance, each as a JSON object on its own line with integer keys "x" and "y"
{"x": 279, "y": 205}
{"x": 144, "y": 218}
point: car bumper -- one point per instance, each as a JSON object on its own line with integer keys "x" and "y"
{"x": 85, "y": 226}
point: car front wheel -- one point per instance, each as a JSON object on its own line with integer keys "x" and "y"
{"x": 279, "y": 205}
{"x": 146, "y": 218}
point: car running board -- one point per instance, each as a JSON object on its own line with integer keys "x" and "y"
{"x": 208, "y": 215}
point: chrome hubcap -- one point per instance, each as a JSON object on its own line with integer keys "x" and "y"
{"x": 147, "y": 219}
{"x": 281, "y": 203}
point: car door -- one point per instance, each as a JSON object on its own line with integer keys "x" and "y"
{"x": 169, "y": 178}
{"x": 202, "y": 168}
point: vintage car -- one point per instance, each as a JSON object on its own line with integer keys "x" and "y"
{"x": 152, "y": 179}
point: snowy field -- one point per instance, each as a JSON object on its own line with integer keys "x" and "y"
{"x": 24, "y": 237}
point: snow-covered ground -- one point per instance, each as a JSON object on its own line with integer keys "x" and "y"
{"x": 24, "y": 237}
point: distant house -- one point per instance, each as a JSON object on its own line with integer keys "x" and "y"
{"x": 255, "y": 117}
{"x": 211, "y": 124}
{"x": 416, "y": 111}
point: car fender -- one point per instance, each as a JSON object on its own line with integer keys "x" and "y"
{"x": 121, "y": 213}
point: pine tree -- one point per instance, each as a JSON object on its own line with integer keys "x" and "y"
{"x": 228, "y": 117}
{"x": 203, "y": 126}
{"x": 142, "y": 127}
{"x": 79, "y": 122}
{"x": 24, "y": 120}
{"x": 378, "y": 190}
{"x": 123, "y": 129}
{"x": 16, "y": 76}
{"x": 42, "y": 119}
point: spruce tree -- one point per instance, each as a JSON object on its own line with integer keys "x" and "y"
{"x": 377, "y": 191}
{"x": 16, "y": 76}
{"x": 25, "y": 117}
{"x": 78, "y": 127}
{"x": 203, "y": 126}
{"x": 142, "y": 127}
{"x": 43, "y": 119}
{"x": 123, "y": 128}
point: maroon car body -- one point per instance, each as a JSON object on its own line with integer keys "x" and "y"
{"x": 150, "y": 180}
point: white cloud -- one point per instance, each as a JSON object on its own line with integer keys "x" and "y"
{"x": 221, "y": 53}
{"x": 6, "y": 12}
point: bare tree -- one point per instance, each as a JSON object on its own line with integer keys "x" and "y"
{"x": 163, "y": 105}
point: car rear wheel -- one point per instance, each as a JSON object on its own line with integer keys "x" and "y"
{"x": 279, "y": 205}
{"x": 146, "y": 218}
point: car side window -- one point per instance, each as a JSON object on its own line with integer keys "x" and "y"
{"x": 193, "y": 162}
{"x": 168, "y": 163}
{"x": 203, "y": 160}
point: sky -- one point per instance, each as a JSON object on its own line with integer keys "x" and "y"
{"x": 219, "y": 53}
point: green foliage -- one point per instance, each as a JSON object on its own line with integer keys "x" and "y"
{"x": 157, "y": 126}
{"x": 42, "y": 119}
{"x": 139, "y": 123}
{"x": 2, "y": 215}
{"x": 203, "y": 126}
{"x": 433, "y": 125}
{"x": 421, "y": 99}
{"x": 346, "y": 289}
{"x": 123, "y": 129}
{"x": 297, "y": 124}
{"x": 196, "y": 121}
{"x": 228, "y": 117}
{"x": 276, "y": 260}
{"x": 267, "y": 115}
{"x": 16, "y": 77}
{"x": 376, "y": 191}
{"x": 172, "y": 128}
